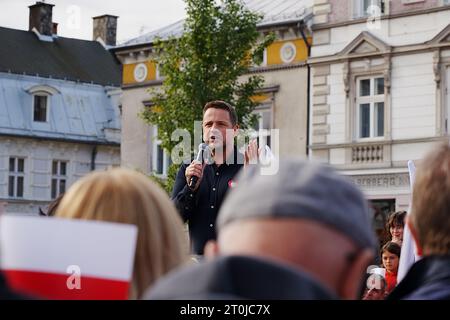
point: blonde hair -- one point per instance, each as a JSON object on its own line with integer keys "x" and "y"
{"x": 125, "y": 196}
{"x": 430, "y": 214}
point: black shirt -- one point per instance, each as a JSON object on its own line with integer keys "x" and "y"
{"x": 200, "y": 208}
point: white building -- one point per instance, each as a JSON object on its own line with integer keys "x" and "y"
{"x": 59, "y": 111}
{"x": 379, "y": 90}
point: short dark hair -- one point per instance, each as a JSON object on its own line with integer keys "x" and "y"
{"x": 392, "y": 247}
{"x": 396, "y": 219}
{"x": 219, "y": 104}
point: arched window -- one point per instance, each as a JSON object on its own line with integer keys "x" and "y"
{"x": 41, "y": 101}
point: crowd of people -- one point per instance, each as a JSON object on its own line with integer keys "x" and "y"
{"x": 302, "y": 233}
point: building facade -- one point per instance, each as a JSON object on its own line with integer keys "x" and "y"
{"x": 59, "y": 112}
{"x": 380, "y": 79}
{"x": 283, "y": 101}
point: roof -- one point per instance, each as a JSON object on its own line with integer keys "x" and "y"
{"x": 77, "y": 111}
{"x": 21, "y": 52}
{"x": 273, "y": 11}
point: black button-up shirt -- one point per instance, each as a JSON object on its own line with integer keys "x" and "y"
{"x": 200, "y": 208}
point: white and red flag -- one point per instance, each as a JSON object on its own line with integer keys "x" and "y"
{"x": 55, "y": 258}
{"x": 409, "y": 250}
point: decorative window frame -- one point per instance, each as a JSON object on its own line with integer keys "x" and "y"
{"x": 365, "y": 48}
{"x": 441, "y": 63}
{"x": 42, "y": 90}
{"x": 366, "y": 56}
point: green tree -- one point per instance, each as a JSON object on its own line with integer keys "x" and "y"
{"x": 219, "y": 43}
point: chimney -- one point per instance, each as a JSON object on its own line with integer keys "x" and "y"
{"x": 55, "y": 28}
{"x": 41, "y": 18}
{"x": 105, "y": 28}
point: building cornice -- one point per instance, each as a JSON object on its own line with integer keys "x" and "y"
{"x": 377, "y": 142}
{"x": 67, "y": 140}
{"x": 395, "y": 51}
{"x": 324, "y": 26}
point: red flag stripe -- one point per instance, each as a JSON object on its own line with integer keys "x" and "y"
{"x": 54, "y": 286}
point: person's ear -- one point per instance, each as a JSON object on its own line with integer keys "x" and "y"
{"x": 236, "y": 130}
{"x": 211, "y": 249}
{"x": 413, "y": 231}
{"x": 350, "y": 287}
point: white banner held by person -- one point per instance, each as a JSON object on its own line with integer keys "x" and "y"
{"x": 408, "y": 255}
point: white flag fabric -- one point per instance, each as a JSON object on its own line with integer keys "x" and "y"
{"x": 55, "y": 258}
{"x": 408, "y": 255}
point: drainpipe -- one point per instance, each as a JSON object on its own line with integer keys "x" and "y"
{"x": 301, "y": 27}
{"x": 93, "y": 156}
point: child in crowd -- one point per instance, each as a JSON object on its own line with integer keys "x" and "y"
{"x": 390, "y": 257}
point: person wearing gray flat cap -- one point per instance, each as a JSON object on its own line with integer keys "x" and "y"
{"x": 303, "y": 233}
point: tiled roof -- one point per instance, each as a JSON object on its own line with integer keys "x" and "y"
{"x": 21, "y": 52}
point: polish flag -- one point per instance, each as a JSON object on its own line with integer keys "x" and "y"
{"x": 53, "y": 258}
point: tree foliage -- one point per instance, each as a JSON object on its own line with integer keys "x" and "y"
{"x": 218, "y": 46}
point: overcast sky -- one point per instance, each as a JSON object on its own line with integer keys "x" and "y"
{"x": 74, "y": 17}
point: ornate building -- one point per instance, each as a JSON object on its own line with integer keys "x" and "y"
{"x": 380, "y": 79}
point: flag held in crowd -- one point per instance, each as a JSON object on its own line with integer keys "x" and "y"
{"x": 408, "y": 256}
{"x": 55, "y": 258}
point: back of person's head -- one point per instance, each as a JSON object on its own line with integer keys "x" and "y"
{"x": 430, "y": 214}
{"x": 126, "y": 196}
{"x": 307, "y": 216}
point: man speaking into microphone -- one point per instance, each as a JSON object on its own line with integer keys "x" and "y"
{"x": 199, "y": 187}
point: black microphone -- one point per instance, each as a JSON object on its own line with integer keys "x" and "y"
{"x": 201, "y": 148}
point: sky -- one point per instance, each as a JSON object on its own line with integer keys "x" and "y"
{"x": 74, "y": 17}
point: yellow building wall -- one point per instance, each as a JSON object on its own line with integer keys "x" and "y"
{"x": 128, "y": 72}
{"x": 274, "y": 55}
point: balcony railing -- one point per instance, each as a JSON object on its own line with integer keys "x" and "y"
{"x": 367, "y": 154}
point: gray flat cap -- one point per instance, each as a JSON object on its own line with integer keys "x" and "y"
{"x": 303, "y": 190}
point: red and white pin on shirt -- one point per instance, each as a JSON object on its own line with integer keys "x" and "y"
{"x": 232, "y": 184}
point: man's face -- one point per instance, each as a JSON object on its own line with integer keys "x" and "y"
{"x": 215, "y": 124}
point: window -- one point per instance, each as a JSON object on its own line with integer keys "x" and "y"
{"x": 161, "y": 159}
{"x": 366, "y": 8}
{"x": 159, "y": 72}
{"x": 16, "y": 177}
{"x": 263, "y": 57}
{"x": 59, "y": 178}
{"x": 40, "y": 108}
{"x": 263, "y": 125}
{"x": 370, "y": 107}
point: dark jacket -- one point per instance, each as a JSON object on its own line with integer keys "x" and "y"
{"x": 428, "y": 279}
{"x": 200, "y": 208}
{"x": 238, "y": 277}
{"x": 6, "y": 293}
